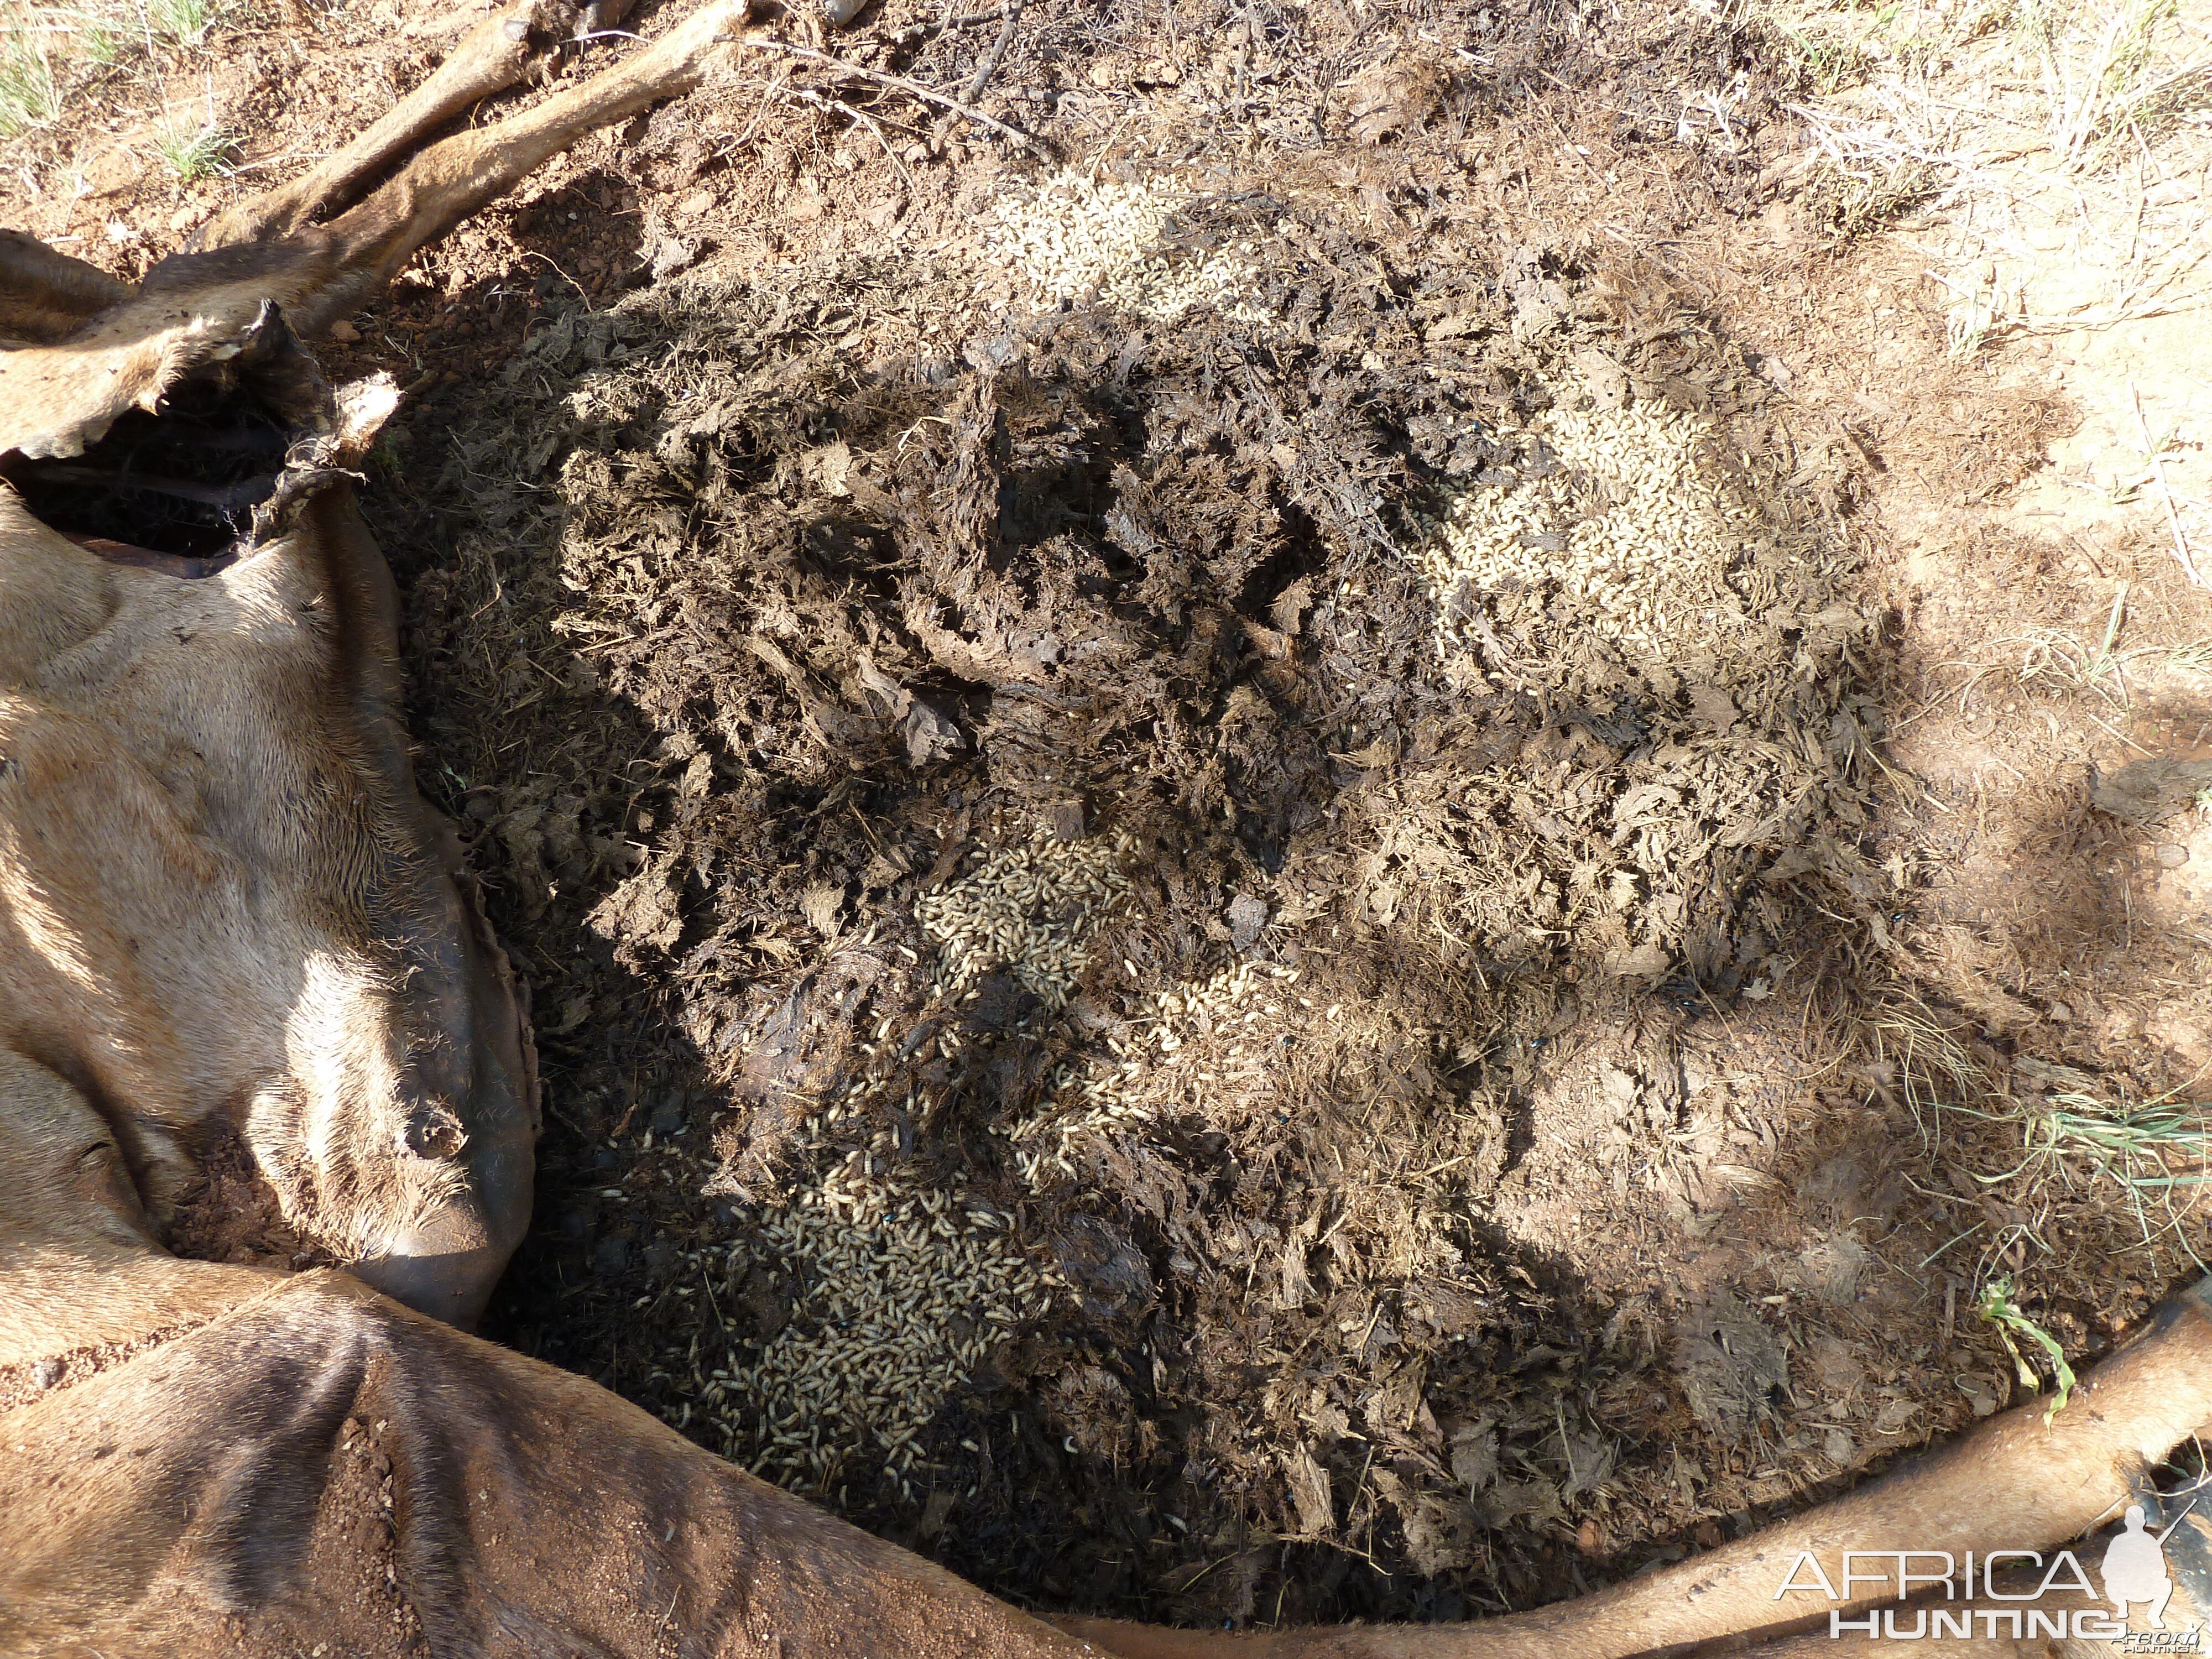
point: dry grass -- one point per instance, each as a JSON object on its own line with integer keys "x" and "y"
{"x": 2106, "y": 69}
{"x": 2050, "y": 1142}
{"x": 2067, "y": 663}
{"x": 2094, "y": 73}
{"x": 2154, "y": 1153}
{"x": 51, "y": 54}
{"x": 196, "y": 150}
{"x": 1917, "y": 1053}
{"x": 2046, "y": 136}
{"x": 29, "y": 96}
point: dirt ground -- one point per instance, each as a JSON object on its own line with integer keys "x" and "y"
{"x": 1358, "y": 844}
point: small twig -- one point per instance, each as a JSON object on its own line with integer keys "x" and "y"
{"x": 582, "y": 293}
{"x": 861, "y": 118}
{"x": 946, "y": 25}
{"x": 990, "y": 65}
{"x": 2166, "y": 495}
{"x": 1023, "y": 139}
{"x": 717, "y": 1307}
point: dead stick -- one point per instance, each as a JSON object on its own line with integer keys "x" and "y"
{"x": 1018, "y": 137}
{"x": 990, "y": 63}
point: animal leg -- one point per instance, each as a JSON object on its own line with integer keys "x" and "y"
{"x": 524, "y": 1511}
{"x": 2014, "y": 1483}
{"x": 320, "y": 272}
{"x": 2010, "y": 1616}
{"x": 490, "y": 59}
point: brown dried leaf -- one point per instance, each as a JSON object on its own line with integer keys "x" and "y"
{"x": 1308, "y": 1483}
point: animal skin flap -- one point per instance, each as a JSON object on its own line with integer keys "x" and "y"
{"x": 363, "y": 407}
{"x": 57, "y": 401}
{"x": 191, "y": 452}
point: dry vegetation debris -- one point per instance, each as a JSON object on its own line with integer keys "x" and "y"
{"x": 1202, "y": 946}
{"x": 2050, "y": 160}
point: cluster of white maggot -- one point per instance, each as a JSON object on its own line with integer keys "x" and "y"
{"x": 899, "y": 1292}
{"x": 1033, "y": 909}
{"x": 1630, "y": 535}
{"x": 1239, "y": 1014}
{"x": 1072, "y": 237}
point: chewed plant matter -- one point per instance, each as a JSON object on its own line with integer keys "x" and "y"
{"x": 1066, "y": 857}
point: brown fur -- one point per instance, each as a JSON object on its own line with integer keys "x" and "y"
{"x": 223, "y": 899}
{"x": 220, "y": 894}
{"x": 205, "y": 1495}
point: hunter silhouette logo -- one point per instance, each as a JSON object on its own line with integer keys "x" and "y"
{"x": 1918, "y": 1595}
{"x": 2135, "y": 1569}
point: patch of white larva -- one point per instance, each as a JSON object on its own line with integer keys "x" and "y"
{"x": 1632, "y": 531}
{"x": 1032, "y": 910}
{"x": 1072, "y": 236}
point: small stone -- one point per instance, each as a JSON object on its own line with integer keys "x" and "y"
{"x": 344, "y": 332}
{"x": 46, "y": 1373}
{"x": 2172, "y": 855}
{"x": 695, "y": 203}
{"x": 1248, "y": 917}
{"x": 668, "y": 1117}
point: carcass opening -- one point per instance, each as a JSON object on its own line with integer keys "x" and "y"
{"x": 182, "y": 482}
{"x": 177, "y": 488}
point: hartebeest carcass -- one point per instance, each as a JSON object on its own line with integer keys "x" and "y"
{"x": 223, "y": 906}
{"x": 222, "y": 900}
